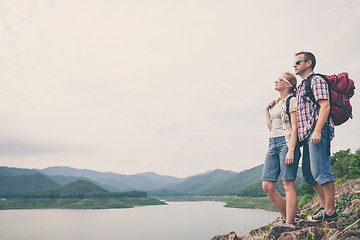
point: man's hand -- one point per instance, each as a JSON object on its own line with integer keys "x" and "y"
{"x": 323, "y": 115}
{"x": 316, "y": 137}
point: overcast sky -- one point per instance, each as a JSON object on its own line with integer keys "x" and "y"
{"x": 174, "y": 87}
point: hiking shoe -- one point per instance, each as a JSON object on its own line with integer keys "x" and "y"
{"x": 279, "y": 220}
{"x": 317, "y": 211}
{"x": 333, "y": 217}
{"x": 321, "y": 216}
{"x": 282, "y": 220}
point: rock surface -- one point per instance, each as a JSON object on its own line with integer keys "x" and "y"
{"x": 347, "y": 198}
{"x": 230, "y": 236}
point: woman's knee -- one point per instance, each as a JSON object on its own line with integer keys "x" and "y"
{"x": 268, "y": 186}
{"x": 289, "y": 185}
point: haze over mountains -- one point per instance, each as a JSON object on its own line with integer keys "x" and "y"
{"x": 112, "y": 181}
{"x": 216, "y": 182}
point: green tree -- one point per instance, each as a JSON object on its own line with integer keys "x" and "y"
{"x": 304, "y": 188}
{"x": 340, "y": 163}
{"x": 354, "y": 165}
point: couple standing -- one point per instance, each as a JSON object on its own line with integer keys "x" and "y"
{"x": 291, "y": 119}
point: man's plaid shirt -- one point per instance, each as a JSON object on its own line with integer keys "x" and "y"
{"x": 307, "y": 110}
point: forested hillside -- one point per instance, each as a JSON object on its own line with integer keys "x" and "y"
{"x": 81, "y": 194}
{"x": 7, "y": 171}
{"x": 80, "y": 189}
{"x": 17, "y": 184}
{"x": 234, "y": 184}
{"x": 196, "y": 185}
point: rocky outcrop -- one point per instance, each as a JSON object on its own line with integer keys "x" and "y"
{"x": 347, "y": 198}
{"x": 230, "y": 236}
{"x": 303, "y": 230}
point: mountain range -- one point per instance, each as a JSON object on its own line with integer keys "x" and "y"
{"x": 80, "y": 194}
{"x": 111, "y": 181}
{"x": 212, "y": 183}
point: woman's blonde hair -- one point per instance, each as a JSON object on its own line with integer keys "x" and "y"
{"x": 292, "y": 79}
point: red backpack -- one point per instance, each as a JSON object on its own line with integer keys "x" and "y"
{"x": 341, "y": 89}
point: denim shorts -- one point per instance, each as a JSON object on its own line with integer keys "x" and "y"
{"x": 275, "y": 161}
{"x": 316, "y": 162}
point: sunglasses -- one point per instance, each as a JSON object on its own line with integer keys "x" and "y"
{"x": 283, "y": 79}
{"x": 299, "y": 61}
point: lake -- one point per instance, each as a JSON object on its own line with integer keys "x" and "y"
{"x": 176, "y": 221}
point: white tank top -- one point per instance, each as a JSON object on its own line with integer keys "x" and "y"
{"x": 276, "y": 127}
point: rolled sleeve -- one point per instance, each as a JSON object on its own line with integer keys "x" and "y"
{"x": 320, "y": 88}
{"x": 293, "y": 103}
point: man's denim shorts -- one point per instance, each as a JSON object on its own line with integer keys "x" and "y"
{"x": 316, "y": 162}
{"x": 275, "y": 161}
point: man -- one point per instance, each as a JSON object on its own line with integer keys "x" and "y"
{"x": 315, "y": 131}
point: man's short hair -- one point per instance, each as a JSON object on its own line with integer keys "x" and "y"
{"x": 308, "y": 56}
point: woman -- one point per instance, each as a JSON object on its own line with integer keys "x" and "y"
{"x": 283, "y": 154}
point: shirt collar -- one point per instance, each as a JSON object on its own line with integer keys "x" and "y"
{"x": 308, "y": 76}
{"x": 287, "y": 97}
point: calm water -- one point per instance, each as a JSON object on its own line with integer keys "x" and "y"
{"x": 176, "y": 221}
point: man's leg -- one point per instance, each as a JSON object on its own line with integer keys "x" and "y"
{"x": 328, "y": 213}
{"x": 320, "y": 164}
{"x": 319, "y": 190}
{"x": 329, "y": 195}
{"x": 306, "y": 170}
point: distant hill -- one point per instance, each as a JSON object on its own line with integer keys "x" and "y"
{"x": 63, "y": 180}
{"x": 232, "y": 184}
{"x": 68, "y": 171}
{"x": 222, "y": 183}
{"x": 198, "y": 183}
{"x": 77, "y": 189}
{"x": 165, "y": 193}
{"x": 80, "y": 194}
{"x": 159, "y": 180}
{"x": 16, "y": 184}
{"x": 66, "y": 175}
{"x": 80, "y": 189}
{"x": 113, "y": 181}
{"x": 8, "y": 171}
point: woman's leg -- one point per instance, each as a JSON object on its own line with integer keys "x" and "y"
{"x": 275, "y": 197}
{"x": 291, "y": 201}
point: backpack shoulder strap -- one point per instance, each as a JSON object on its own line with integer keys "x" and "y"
{"x": 288, "y": 105}
{"x": 308, "y": 90}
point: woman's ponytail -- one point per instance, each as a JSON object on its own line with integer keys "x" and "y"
{"x": 292, "y": 79}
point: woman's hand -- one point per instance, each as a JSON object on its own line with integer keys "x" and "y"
{"x": 271, "y": 104}
{"x": 289, "y": 157}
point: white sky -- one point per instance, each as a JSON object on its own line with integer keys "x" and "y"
{"x": 174, "y": 87}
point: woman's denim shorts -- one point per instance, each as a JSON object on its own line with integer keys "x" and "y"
{"x": 275, "y": 161}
